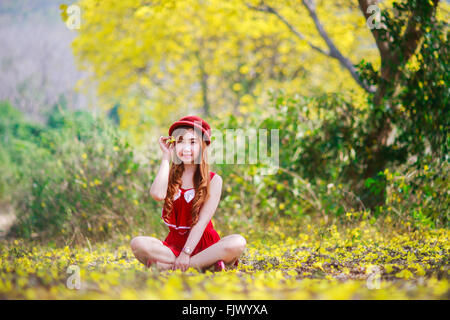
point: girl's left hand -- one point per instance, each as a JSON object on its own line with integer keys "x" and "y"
{"x": 182, "y": 262}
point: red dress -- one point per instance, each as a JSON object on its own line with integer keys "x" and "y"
{"x": 179, "y": 224}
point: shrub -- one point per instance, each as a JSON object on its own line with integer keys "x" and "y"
{"x": 78, "y": 180}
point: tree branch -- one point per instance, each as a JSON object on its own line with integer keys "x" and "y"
{"x": 333, "y": 50}
{"x": 268, "y": 9}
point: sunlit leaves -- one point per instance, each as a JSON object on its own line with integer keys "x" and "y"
{"x": 174, "y": 44}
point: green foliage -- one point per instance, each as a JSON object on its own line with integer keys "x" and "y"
{"x": 418, "y": 193}
{"x": 424, "y": 115}
{"x": 320, "y": 169}
{"x": 408, "y": 113}
{"x": 18, "y": 140}
{"x": 74, "y": 178}
{"x": 419, "y": 94}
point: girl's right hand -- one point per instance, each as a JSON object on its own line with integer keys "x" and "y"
{"x": 166, "y": 148}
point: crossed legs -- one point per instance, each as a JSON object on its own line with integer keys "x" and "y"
{"x": 228, "y": 249}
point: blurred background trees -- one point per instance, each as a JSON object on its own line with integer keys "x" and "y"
{"x": 37, "y": 65}
{"x": 360, "y": 99}
{"x": 212, "y": 57}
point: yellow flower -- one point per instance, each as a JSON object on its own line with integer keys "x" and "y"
{"x": 420, "y": 271}
{"x": 244, "y": 69}
{"x": 237, "y": 87}
{"x": 404, "y": 274}
{"x": 292, "y": 273}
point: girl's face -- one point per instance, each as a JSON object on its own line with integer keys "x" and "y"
{"x": 187, "y": 146}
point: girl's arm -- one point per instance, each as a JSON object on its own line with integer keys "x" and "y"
{"x": 158, "y": 189}
{"x": 206, "y": 213}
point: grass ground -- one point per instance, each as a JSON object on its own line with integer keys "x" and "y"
{"x": 358, "y": 261}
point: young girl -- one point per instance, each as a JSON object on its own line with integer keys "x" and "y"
{"x": 191, "y": 194}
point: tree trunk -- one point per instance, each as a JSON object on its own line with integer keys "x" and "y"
{"x": 203, "y": 84}
{"x": 391, "y": 59}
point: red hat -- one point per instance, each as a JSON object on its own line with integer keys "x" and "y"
{"x": 195, "y": 122}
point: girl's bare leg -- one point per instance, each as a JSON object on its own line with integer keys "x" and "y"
{"x": 145, "y": 248}
{"x": 163, "y": 266}
{"x": 228, "y": 249}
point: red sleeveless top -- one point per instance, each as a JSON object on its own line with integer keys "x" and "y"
{"x": 179, "y": 223}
